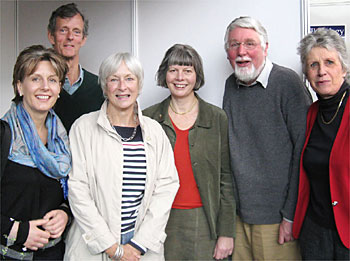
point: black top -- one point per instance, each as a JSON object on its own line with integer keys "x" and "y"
{"x": 126, "y": 132}
{"x": 316, "y": 158}
{"x": 27, "y": 194}
{"x": 87, "y": 98}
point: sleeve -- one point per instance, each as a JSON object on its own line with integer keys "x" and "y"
{"x": 96, "y": 233}
{"x": 295, "y": 113}
{"x": 66, "y": 208}
{"x": 227, "y": 211}
{"x": 6, "y": 226}
{"x": 151, "y": 232}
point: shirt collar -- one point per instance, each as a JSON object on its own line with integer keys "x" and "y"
{"x": 263, "y": 77}
{"x": 72, "y": 88}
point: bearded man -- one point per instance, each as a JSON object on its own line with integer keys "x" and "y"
{"x": 266, "y": 105}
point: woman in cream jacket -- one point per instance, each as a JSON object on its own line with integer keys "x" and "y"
{"x": 123, "y": 179}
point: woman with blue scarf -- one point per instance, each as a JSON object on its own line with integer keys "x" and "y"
{"x": 34, "y": 213}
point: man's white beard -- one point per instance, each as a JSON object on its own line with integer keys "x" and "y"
{"x": 248, "y": 74}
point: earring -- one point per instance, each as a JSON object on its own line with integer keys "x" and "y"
{"x": 58, "y": 96}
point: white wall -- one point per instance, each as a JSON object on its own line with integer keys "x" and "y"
{"x": 202, "y": 24}
{"x": 109, "y": 32}
{"x": 161, "y": 23}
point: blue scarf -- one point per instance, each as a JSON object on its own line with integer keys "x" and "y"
{"x": 27, "y": 148}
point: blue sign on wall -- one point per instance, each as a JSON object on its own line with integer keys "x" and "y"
{"x": 340, "y": 29}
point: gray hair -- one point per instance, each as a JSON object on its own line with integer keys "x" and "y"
{"x": 181, "y": 54}
{"x": 111, "y": 64}
{"x": 249, "y": 23}
{"x": 324, "y": 38}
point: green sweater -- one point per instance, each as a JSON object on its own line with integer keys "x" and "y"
{"x": 208, "y": 141}
{"x": 87, "y": 98}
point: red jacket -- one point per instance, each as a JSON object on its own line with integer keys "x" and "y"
{"x": 339, "y": 177}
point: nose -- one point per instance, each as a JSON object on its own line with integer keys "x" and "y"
{"x": 70, "y": 35}
{"x": 321, "y": 70}
{"x": 241, "y": 50}
{"x": 45, "y": 85}
{"x": 122, "y": 85}
{"x": 179, "y": 75}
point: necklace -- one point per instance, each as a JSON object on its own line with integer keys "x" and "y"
{"x": 133, "y": 133}
{"x": 335, "y": 114}
{"x": 130, "y": 138}
{"x": 183, "y": 113}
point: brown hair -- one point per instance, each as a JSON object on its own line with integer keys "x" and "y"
{"x": 28, "y": 60}
{"x": 181, "y": 54}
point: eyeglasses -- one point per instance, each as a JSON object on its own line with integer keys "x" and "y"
{"x": 250, "y": 45}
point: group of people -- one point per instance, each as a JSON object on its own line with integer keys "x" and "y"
{"x": 182, "y": 179}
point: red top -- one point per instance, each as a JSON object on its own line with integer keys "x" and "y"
{"x": 187, "y": 196}
{"x": 339, "y": 177}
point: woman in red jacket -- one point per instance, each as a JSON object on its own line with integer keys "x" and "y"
{"x": 322, "y": 218}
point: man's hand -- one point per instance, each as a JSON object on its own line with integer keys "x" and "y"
{"x": 285, "y": 234}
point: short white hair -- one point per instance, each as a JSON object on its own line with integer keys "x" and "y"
{"x": 249, "y": 23}
{"x": 111, "y": 64}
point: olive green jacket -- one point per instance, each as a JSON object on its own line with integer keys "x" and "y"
{"x": 209, "y": 150}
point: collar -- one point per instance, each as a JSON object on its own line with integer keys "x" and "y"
{"x": 263, "y": 77}
{"x": 72, "y": 88}
{"x": 203, "y": 119}
{"x": 103, "y": 121}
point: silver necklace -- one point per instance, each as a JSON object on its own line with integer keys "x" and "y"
{"x": 130, "y": 138}
{"x": 133, "y": 133}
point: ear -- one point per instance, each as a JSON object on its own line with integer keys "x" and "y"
{"x": 83, "y": 41}
{"x": 344, "y": 73}
{"x": 19, "y": 88}
{"x": 266, "y": 47}
{"x": 51, "y": 37}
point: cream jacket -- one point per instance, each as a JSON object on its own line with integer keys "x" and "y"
{"x": 95, "y": 188}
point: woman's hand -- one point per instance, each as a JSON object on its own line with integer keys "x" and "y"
{"x": 37, "y": 238}
{"x": 111, "y": 250}
{"x": 56, "y": 222}
{"x": 131, "y": 253}
{"x": 223, "y": 248}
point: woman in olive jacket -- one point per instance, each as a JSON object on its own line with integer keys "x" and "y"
{"x": 199, "y": 130}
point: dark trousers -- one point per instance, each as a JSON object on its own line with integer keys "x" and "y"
{"x": 319, "y": 243}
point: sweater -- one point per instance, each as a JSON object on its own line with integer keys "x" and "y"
{"x": 316, "y": 158}
{"x": 266, "y": 135}
{"x": 339, "y": 177}
{"x": 27, "y": 194}
{"x": 88, "y": 98}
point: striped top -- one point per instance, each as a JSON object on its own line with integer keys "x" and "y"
{"x": 134, "y": 177}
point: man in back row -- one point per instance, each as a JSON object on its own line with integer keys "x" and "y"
{"x": 81, "y": 93}
{"x": 266, "y": 105}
